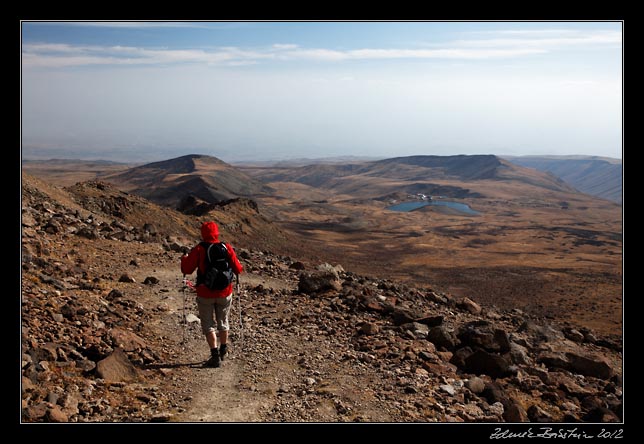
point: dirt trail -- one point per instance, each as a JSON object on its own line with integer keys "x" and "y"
{"x": 219, "y": 399}
{"x": 216, "y": 394}
{"x": 321, "y": 357}
{"x": 279, "y": 368}
{"x": 208, "y": 395}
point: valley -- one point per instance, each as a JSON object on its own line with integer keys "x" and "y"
{"x": 536, "y": 244}
{"x": 347, "y": 311}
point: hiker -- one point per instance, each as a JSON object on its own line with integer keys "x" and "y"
{"x": 211, "y": 302}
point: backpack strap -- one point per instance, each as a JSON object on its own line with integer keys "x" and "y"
{"x": 207, "y": 246}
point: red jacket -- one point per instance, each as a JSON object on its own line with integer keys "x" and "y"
{"x": 196, "y": 260}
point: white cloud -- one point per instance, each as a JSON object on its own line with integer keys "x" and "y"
{"x": 285, "y": 46}
{"x": 61, "y": 55}
{"x": 448, "y": 53}
{"x": 545, "y": 39}
{"x": 500, "y": 44}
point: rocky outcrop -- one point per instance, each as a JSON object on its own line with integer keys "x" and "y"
{"x": 116, "y": 368}
{"x": 578, "y": 361}
{"x": 323, "y": 279}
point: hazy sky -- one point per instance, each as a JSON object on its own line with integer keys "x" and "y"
{"x": 273, "y": 90}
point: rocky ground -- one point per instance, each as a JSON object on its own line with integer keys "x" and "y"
{"x": 110, "y": 334}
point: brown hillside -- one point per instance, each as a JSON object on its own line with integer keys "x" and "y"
{"x": 108, "y": 335}
{"x": 170, "y": 181}
{"x": 414, "y": 174}
{"x": 114, "y": 212}
{"x": 536, "y": 244}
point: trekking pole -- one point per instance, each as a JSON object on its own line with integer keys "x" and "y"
{"x": 186, "y": 283}
{"x": 183, "y": 320}
{"x": 241, "y": 322}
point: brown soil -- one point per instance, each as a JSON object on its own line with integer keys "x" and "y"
{"x": 299, "y": 357}
{"x": 556, "y": 260}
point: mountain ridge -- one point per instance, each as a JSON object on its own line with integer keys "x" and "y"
{"x": 170, "y": 181}
{"x": 601, "y": 177}
{"x": 431, "y": 170}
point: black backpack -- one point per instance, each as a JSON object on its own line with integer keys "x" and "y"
{"x": 219, "y": 274}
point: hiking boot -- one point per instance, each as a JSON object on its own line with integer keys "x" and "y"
{"x": 223, "y": 351}
{"x": 213, "y": 362}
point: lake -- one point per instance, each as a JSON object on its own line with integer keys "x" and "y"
{"x": 414, "y": 205}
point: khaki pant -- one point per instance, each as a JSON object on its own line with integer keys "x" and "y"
{"x": 219, "y": 307}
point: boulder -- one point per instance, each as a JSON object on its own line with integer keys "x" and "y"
{"x": 431, "y": 321}
{"x": 537, "y": 414}
{"x": 126, "y": 340}
{"x": 55, "y": 414}
{"x": 439, "y": 368}
{"x": 427, "y": 355}
{"x": 330, "y": 268}
{"x": 35, "y": 412}
{"x": 519, "y": 354}
{"x": 318, "y": 281}
{"x": 27, "y": 218}
{"x": 569, "y": 385}
{"x": 577, "y": 361}
{"x": 514, "y": 412}
{"x": 469, "y": 305}
{"x": 373, "y": 304}
{"x": 116, "y": 368}
{"x": 476, "y": 385}
{"x": 190, "y": 318}
{"x": 46, "y": 352}
{"x": 574, "y": 335}
{"x": 494, "y": 393}
{"x": 483, "y": 362}
{"x": 114, "y": 294}
{"x": 442, "y": 337}
{"x": 592, "y": 402}
{"x": 175, "y": 246}
{"x": 369, "y": 328}
{"x": 541, "y": 333}
{"x": 459, "y": 356}
{"x": 435, "y": 297}
{"x": 448, "y": 388}
{"x": 590, "y": 365}
{"x": 402, "y": 316}
{"x": 87, "y": 233}
{"x": 417, "y": 329}
{"x": 484, "y": 335}
{"x": 294, "y": 266}
{"x": 127, "y": 278}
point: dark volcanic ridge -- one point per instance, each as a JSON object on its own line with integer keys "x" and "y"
{"x": 411, "y": 174}
{"x": 203, "y": 177}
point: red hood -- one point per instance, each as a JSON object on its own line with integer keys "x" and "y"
{"x": 210, "y": 232}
